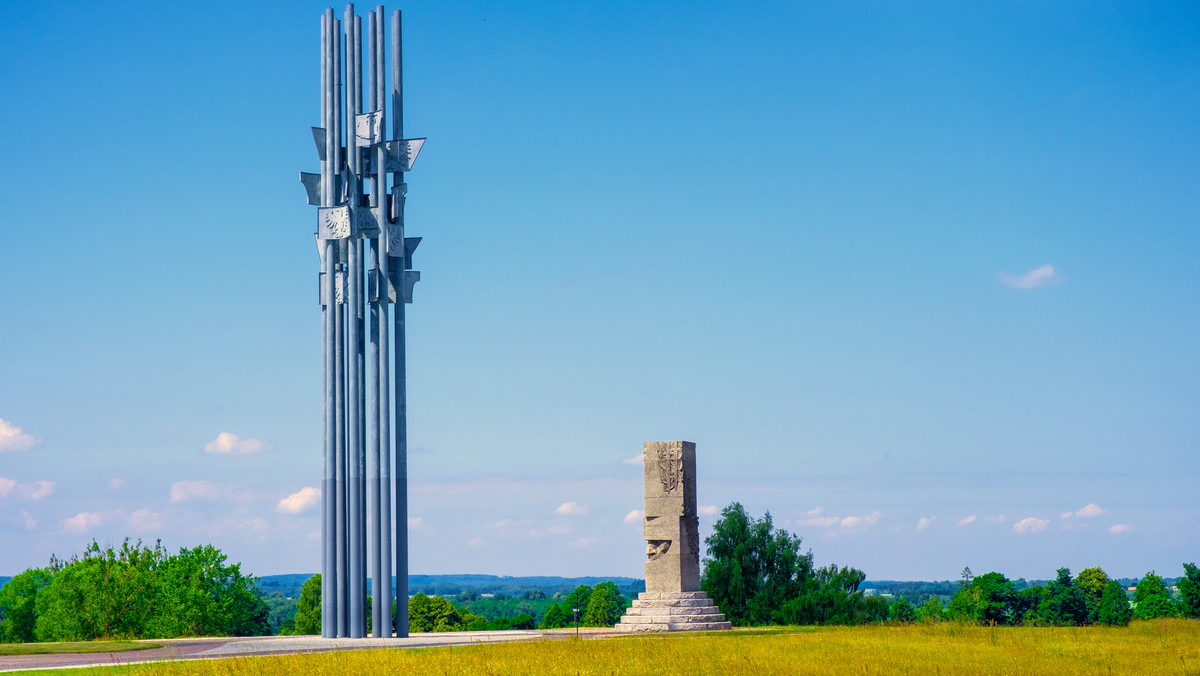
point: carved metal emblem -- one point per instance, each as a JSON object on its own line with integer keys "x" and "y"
{"x": 401, "y": 154}
{"x": 670, "y": 467}
{"x": 368, "y": 128}
{"x": 333, "y": 222}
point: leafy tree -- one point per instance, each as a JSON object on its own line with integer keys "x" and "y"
{"x": 931, "y": 611}
{"x": 1114, "y": 607}
{"x": 432, "y": 614}
{"x": 831, "y": 596}
{"x": 1063, "y": 604}
{"x": 107, "y": 593}
{"x": 578, "y": 598}
{"x": 902, "y": 611}
{"x": 1189, "y": 591}
{"x": 555, "y": 618}
{"x": 523, "y": 621}
{"x": 1151, "y": 600}
{"x": 18, "y": 605}
{"x": 1092, "y": 582}
{"x": 604, "y": 607}
{"x": 752, "y": 569}
{"x": 989, "y": 598}
{"x": 308, "y": 610}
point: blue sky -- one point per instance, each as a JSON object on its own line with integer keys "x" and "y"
{"x": 918, "y": 278}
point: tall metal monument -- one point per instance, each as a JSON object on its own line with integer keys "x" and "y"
{"x": 362, "y": 290}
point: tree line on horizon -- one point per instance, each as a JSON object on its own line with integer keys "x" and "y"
{"x": 756, "y": 574}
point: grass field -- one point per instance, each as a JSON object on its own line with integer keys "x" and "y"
{"x": 74, "y": 648}
{"x": 1158, "y": 647}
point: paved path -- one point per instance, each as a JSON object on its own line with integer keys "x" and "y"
{"x": 210, "y": 648}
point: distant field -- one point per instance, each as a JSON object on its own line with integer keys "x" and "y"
{"x": 1158, "y": 647}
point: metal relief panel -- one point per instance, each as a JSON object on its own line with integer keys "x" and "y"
{"x": 333, "y": 222}
{"x": 312, "y": 187}
{"x": 396, "y": 204}
{"x": 411, "y": 277}
{"x": 367, "y": 224}
{"x": 395, "y": 240}
{"x": 401, "y": 154}
{"x": 319, "y": 139}
{"x": 368, "y": 128}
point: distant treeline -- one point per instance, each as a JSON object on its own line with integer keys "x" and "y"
{"x": 757, "y": 575}
{"x": 500, "y": 586}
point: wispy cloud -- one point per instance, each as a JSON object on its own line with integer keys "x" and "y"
{"x": 1030, "y": 525}
{"x": 83, "y": 522}
{"x": 816, "y": 517}
{"x": 476, "y": 542}
{"x": 571, "y": 507}
{"x": 635, "y": 460}
{"x": 860, "y": 521}
{"x": 967, "y": 521}
{"x": 13, "y": 438}
{"x": 1089, "y": 510}
{"x": 117, "y": 483}
{"x": 182, "y": 491}
{"x": 1118, "y": 528}
{"x": 302, "y": 500}
{"x": 925, "y": 522}
{"x": 415, "y": 522}
{"x": 582, "y": 542}
{"x": 145, "y": 520}
{"x": 707, "y": 510}
{"x": 34, "y": 491}
{"x": 557, "y": 529}
{"x": 229, "y": 444}
{"x": 633, "y": 515}
{"x": 1043, "y": 275}
{"x": 30, "y": 522}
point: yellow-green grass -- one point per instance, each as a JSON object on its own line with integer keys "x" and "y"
{"x": 1158, "y": 647}
{"x": 74, "y": 648}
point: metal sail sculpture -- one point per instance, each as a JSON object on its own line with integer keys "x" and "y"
{"x": 362, "y": 290}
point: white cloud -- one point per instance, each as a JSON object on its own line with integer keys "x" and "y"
{"x": 12, "y": 438}
{"x": 706, "y": 510}
{"x": 1118, "y": 528}
{"x": 633, "y": 515}
{"x": 145, "y": 520}
{"x": 83, "y": 522}
{"x": 230, "y": 444}
{"x": 1030, "y": 525}
{"x": 1043, "y": 275}
{"x": 558, "y": 529}
{"x": 6, "y": 486}
{"x": 501, "y": 524}
{"x": 813, "y": 518}
{"x": 37, "y": 491}
{"x": 967, "y": 521}
{"x": 856, "y": 521}
{"x": 475, "y": 542}
{"x": 995, "y": 519}
{"x": 925, "y": 522}
{"x": 415, "y": 521}
{"x": 571, "y": 507}
{"x": 1066, "y": 515}
{"x": 582, "y": 542}
{"x": 635, "y": 460}
{"x": 181, "y": 491}
{"x": 117, "y": 483}
{"x": 30, "y": 522}
{"x": 300, "y": 501}
{"x": 1089, "y": 510}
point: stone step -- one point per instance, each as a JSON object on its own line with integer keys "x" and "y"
{"x": 652, "y": 619}
{"x": 673, "y": 626}
{"x": 654, "y": 596}
{"x": 673, "y": 610}
{"x": 671, "y": 603}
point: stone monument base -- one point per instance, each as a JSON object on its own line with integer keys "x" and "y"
{"x": 672, "y": 611}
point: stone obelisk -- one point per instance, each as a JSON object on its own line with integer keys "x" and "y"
{"x": 673, "y": 600}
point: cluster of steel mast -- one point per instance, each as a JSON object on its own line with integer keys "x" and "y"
{"x": 357, "y": 388}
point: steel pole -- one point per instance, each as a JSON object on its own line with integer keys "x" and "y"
{"x": 380, "y": 601}
{"x": 401, "y": 375}
{"x": 328, "y": 312}
{"x": 354, "y": 409}
{"x": 385, "y": 436}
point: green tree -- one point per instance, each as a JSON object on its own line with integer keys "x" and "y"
{"x": 1151, "y": 600}
{"x": 1092, "y": 582}
{"x": 989, "y": 598}
{"x": 752, "y": 569}
{"x": 555, "y": 618}
{"x": 308, "y": 610}
{"x": 18, "y": 605}
{"x": 902, "y": 611}
{"x": 604, "y": 606}
{"x": 1189, "y": 591}
{"x": 1114, "y": 607}
{"x": 578, "y": 598}
{"x": 931, "y": 611}
{"x": 432, "y": 614}
{"x": 106, "y": 593}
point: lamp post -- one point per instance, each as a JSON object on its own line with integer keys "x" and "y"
{"x": 576, "y": 622}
